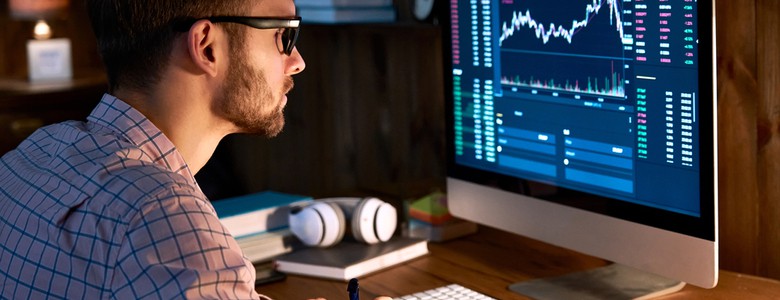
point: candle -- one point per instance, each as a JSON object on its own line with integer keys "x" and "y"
{"x": 48, "y": 59}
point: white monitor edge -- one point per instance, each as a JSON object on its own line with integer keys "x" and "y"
{"x": 669, "y": 254}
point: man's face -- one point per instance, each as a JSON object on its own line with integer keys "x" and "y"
{"x": 249, "y": 101}
{"x": 259, "y": 76}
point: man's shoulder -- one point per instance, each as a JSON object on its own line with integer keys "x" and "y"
{"x": 136, "y": 183}
{"x": 99, "y": 163}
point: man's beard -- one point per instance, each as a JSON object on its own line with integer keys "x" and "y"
{"x": 247, "y": 99}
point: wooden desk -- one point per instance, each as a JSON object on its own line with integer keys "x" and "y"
{"x": 488, "y": 262}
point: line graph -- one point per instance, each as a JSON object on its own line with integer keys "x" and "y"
{"x": 525, "y": 20}
{"x": 587, "y": 57}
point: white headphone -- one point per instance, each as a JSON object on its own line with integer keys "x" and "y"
{"x": 323, "y": 222}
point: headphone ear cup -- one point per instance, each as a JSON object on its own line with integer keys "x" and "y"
{"x": 339, "y": 225}
{"x": 320, "y": 224}
{"x": 373, "y": 221}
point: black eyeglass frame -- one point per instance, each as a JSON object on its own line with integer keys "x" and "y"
{"x": 291, "y": 26}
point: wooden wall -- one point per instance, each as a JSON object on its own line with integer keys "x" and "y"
{"x": 749, "y": 119}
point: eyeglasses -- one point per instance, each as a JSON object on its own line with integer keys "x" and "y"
{"x": 290, "y": 27}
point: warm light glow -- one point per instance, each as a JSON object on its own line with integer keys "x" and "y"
{"x": 37, "y": 9}
{"x": 42, "y": 30}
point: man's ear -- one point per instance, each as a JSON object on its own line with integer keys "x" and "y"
{"x": 201, "y": 46}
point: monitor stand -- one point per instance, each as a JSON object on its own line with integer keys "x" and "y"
{"x": 614, "y": 281}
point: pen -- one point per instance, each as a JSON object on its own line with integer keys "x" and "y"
{"x": 353, "y": 288}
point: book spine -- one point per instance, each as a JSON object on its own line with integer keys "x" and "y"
{"x": 343, "y": 3}
{"x": 266, "y": 246}
{"x": 310, "y": 270}
{"x": 259, "y": 221}
{"x": 347, "y": 15}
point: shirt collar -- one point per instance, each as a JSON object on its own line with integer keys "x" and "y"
{"x": 128, "y": 123}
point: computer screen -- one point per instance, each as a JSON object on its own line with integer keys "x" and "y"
{"x": 589, "y": 124}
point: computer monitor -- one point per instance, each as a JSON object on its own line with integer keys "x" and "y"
{"x": 588, "y": 124}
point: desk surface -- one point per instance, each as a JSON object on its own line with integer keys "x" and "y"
{"x": 488, "y": 262}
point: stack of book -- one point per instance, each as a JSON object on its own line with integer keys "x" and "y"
{"x": 259, "y": 223}
{"x": 346, "y": 11}
{"x": 430, "y": 219}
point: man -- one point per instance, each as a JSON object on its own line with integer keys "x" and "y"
{"x": 109, "y": 208}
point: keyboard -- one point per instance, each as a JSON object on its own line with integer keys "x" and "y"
{"x": 452, "y": 291}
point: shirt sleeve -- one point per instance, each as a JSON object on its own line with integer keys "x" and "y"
{"x": 177, "y": 248}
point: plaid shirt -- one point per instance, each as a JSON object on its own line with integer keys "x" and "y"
{"x": 109, "y": 209}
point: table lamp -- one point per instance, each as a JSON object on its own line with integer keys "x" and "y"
{"x": 48, "y": 59}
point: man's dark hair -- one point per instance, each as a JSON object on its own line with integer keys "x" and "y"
{"x": 135, "y": 37}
